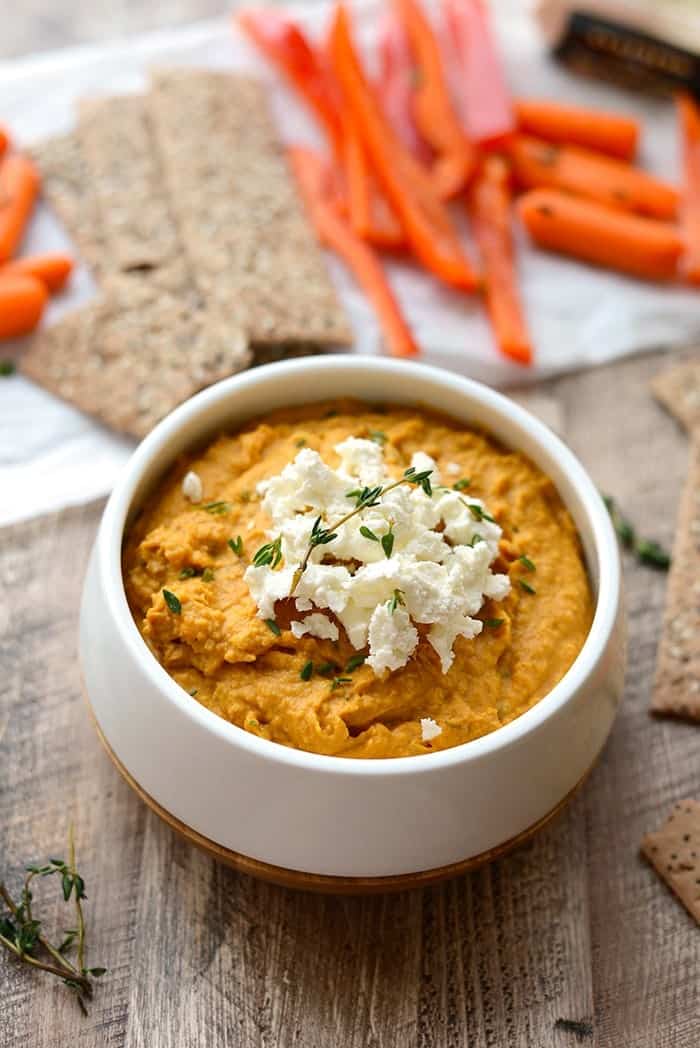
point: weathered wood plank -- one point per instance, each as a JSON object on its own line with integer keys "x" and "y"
{"x": 53, "y": 772}
{"x": 646, "y": 952}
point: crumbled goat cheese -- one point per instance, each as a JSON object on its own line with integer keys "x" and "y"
{"x": 441, "y": 576}
{"x": 453, "y": 468}
{"x": 429, "y": 729}
{"x": 316, "y": 625}
{"x": 192, "y": 486}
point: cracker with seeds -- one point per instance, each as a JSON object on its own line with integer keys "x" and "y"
{"x": 66, "y": 186}
{"x": 242, "y": 223}
{"x": 676, "y": 690}
{"x": 123, "y": 168}
{"x": 674, "y": 852}
{"x": 134, "y": 355}
{"x": 678, "y": 389}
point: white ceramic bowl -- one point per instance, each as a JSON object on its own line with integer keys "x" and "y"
{"x": 344, "y": 818}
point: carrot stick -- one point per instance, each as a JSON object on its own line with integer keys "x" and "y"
{"x": 537, "y": 164}
{"x": 689, "y": 123}
{"x": 51, "y": 270}
{"x": 600, "y": 235}
{"x": 426, "y": 223}
{"x": 4, "y": 140}
{"x": 594, "y": 129}
{"x": 22, "y": 301}
{"x": 371, "y": 215}
{"x": 19, "y": 185}
{"x": 432, "y": 106}
{"x": 313, "y": 177}
{"x": 489, "y": 203}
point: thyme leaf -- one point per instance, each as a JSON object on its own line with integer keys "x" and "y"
{"x": 217, "y": 508}
{"x": 647, "y": 551}
{"x": 21, "y": 932}
{"x": 173, "y": 602}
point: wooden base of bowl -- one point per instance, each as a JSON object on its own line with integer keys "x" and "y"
{"x": 322, "y": 883}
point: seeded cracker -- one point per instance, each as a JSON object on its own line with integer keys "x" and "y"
{"x": 242, "y": 224}
{"x": 679, "y": 391}
{"x": 677, "y": 684}
{"x": 66, "y": 187}
{"x": 137, "y": 225}
{"x": 134, "y": 355}
{"x": 674, "y": 852}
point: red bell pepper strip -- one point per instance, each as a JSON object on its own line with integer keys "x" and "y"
{"x": 315, "y": 182}
{"x": 426, "y": 222}
{"x": 284, "y": 43}
{"x": 434, "y": 114}
{"x": 288, "y": 49}
{"x": 396, "y": 83}
{"x": 478, "y": 74}
{"x": 689, "y": 124}
{"x": 489, "y": 203}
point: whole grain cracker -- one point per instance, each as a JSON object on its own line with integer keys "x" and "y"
{"x": 66, "y": 187}
{"x": 124, "y": 170}
{"x": 243, "y": 226}
{"x": 676, "y": 690}
{"x": 674, "y": 852}
{"x": 678, "y": 389}
{"x": 132, "y": 356}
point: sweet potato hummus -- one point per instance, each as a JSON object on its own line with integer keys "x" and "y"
{"x": 184, "y": 563}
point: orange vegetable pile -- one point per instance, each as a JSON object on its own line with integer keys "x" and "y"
{"x": 25, "y": 283}
{"x": 437, "y": 132}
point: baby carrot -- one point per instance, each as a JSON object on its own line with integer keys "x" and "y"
{"x": 313, "y": 178}
{"x": 19, "y": 185}
{"x": 22, "y": 301}
{"x": 595, "y": 129}
{"x": 689, "y": 124}
{"x": 600, "y": 235}
{"x": 489, "y": 203}
{"x": 4, "y": 140}
{"x": 52, "y": 270}
{"x": 539, "y": 165}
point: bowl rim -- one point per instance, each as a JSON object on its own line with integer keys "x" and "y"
{"x": 108, "y": 551}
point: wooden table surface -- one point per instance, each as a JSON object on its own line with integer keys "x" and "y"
{"x": 571, "y": 940}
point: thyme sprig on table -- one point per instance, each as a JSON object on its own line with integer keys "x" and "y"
{"x": 271, "y": 553}
{"x": 647, "y": 551}
{"x": 21, "y": 932}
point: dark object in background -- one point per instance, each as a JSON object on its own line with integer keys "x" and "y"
{"x": 645, "y": 46}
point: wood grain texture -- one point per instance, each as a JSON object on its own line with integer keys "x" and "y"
{"x": 568, "y": 941}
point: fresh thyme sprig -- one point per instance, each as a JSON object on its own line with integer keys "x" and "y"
{"x": 21, "y": 932}
{"x": 364, "y": 499}
{"x": 270, "y": 554}
{"x": 647, "y": 551}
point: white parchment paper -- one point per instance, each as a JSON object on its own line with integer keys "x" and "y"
{"x": 52, "y": 456}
